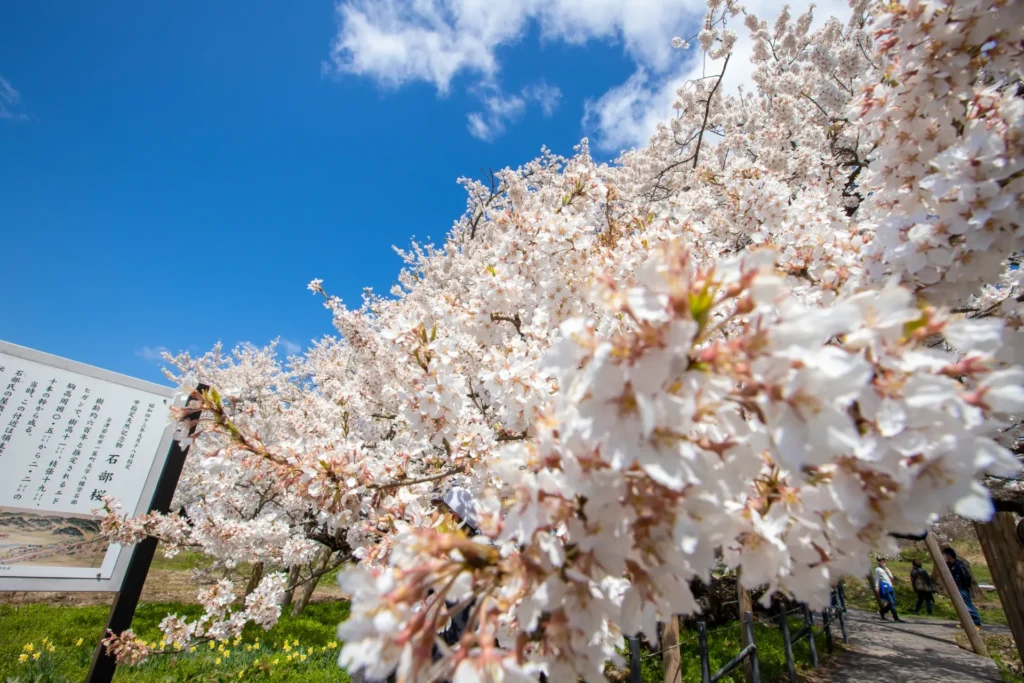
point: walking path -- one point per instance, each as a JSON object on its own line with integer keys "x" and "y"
{"x": 918, "y": 650}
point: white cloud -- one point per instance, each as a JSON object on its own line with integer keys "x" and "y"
{"x": 499, "y": 109}
{"x": 399, "y": 41}
{"x": 547, "y": 96}
{"x": 10, "y": 100}
{"x": 289, "y": 347}
{"x": 395, "y": 42}
{"x": 627, "y": 115}
{"x": 153, "y": 354}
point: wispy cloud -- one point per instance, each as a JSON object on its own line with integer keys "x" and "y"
{"x": 10, "y": 101}
{"x": 500, "y": 109}
{"x": 153, "y": 354}
{"x": 547, "y": 96}
{"x": 289, "y": 347}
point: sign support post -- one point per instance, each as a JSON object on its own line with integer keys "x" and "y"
{"x": 123, "y": 610}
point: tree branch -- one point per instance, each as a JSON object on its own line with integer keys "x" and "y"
{"x": 515, "y": 320}
{"x": 420, "y": 480}
{"x": 707, "y": 109}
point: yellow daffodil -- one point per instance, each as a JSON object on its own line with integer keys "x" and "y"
{"x": 302, "y": 658}
{"x": 192, "y": 649}
{"x": 212, "y": 644}
{"x": 256, "y": 645}
{"x": 239, "y": 674}
{"x": 227, "y": 653}
{"x": 35, "y": 655}
{"x": 217, "y": 661}
{"x": 79, "y": 643}
{"x": 295, "y": 643}
{"x": 276, "y": 660}
{"x": 248, "y": 648}
{"x": 29, "y": 647}
{"x": 22, "y": 658}
{"x": 332, "y": 645}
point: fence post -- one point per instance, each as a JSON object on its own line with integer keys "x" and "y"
{"x": 702, "y": 645}
{"x": 826, "y": 619}
{"x": 755, "y": 668}
{"x": 809, "y": 623}
{"x": 634, "y": 659}
{"x": 786, "y": 642}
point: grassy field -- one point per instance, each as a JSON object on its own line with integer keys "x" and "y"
{"x": 297, "y": 649}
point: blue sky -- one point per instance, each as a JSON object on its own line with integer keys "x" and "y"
{"x": 174, "y": 174}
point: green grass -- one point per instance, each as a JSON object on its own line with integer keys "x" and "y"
{"x": 68, "y": 662}
{"x": 724, "y": 643}
{"x": 183, "y": 561}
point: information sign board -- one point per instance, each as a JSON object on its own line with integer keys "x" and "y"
{"x": 69, "y": 435}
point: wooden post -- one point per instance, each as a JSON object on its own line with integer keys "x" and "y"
{"x": 954, "y": 594}
{"x": 1005, "y": 556}
{"x": 746, "y": 607}
{"x": 670, "y": 649}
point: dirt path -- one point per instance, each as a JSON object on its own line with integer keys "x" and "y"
{"x": 918, "y": 650}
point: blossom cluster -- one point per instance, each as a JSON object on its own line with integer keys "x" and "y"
{"x": 788, "y": 326}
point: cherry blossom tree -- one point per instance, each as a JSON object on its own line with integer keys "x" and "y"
{"x": 786, "y": 327}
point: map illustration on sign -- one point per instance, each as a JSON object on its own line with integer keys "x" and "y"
{"x": 60, "y": 539}
{"x": 71, "y": 435}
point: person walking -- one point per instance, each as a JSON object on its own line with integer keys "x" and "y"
{"x": 963, "y": 580}
{"x": 884, "y": 590}
{"x": 923, "y": 586}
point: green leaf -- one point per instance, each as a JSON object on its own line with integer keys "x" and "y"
{"x": 700, "y": 304}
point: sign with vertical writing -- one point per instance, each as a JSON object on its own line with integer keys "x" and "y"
{"x": 71, "y": 434}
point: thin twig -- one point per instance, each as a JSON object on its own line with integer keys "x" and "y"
{"x": 419, "y": 480}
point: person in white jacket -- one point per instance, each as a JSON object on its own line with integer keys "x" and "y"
{"x": 884, "y": 590}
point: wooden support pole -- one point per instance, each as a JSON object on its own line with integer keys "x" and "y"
{"x": 746, "y": 607}
{"x": 670, "y": 649}
{"x": 954, "y": 594}
{"x": 1005, "y": 556}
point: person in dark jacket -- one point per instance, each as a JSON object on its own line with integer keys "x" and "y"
{"x": 923, "y": 586}
{"x": 963, "y": 580}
